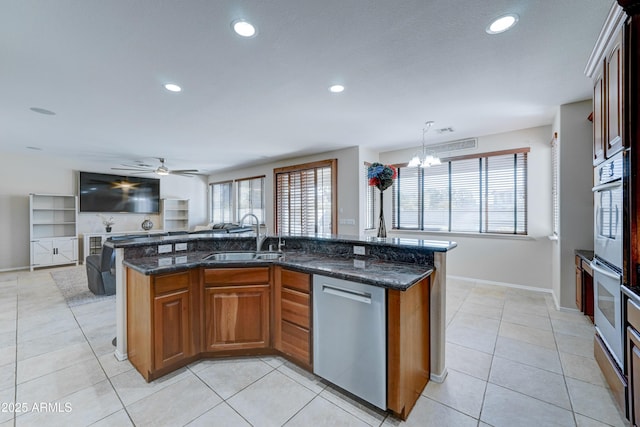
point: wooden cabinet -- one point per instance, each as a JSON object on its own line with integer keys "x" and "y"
{"x": 579, "y": 283}
{"x": 292, "y": 315}
{"x": 236, "y": 308}
{"x": 614, "y": 79}
{"x": 606, "y": 67}
{"x": 408, "y": 346}
{"x": 163, "y": 321}
{"x": 584, "y": 287}
{"x": 633, "y": 362}
{"x": 598, "y": 118}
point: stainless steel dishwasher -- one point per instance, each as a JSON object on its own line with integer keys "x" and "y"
{"x": 349, "y": 337}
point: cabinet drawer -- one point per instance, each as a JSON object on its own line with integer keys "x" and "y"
{"x": 243, "y": 276}
{"x": 296, "y": 341}
{"x": 633, "y": 314}
{"x": 295, "y": 307}
{"x": 170, "y": 283}
{"x": 296, "y": 280}
{"x": 586, "y": 266}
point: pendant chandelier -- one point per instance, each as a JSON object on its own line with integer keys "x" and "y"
{"x": 427, "y": 158}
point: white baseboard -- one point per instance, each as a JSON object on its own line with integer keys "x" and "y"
{"x": 504, "y": 284}
{"x": 6, "y": 270}
{"x": 439, "y": 378}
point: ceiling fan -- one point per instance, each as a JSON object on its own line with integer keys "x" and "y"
{"x": 160, "y": 170}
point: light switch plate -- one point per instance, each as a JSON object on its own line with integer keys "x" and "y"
{"x": 359, "y": 250}
{"x": 163, "y": 249}
{"x": 181, "y": 247}
{"x": 181, "y": 259}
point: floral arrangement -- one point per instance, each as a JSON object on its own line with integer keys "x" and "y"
{"x": 381, "y": 176}
{"x": 107, "y": 222}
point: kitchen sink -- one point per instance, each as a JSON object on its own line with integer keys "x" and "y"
{"x": 242, "y": 256}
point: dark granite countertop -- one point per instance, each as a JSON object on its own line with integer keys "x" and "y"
{"x": 431, "y": 245}
{"x": 387, "y": 274}
{"x": 584, "y": 254}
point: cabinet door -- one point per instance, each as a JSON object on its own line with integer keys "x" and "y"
{"x": 614, "y": 99}
{"x": 66, "y": 250}
{"x": 633, "y": 359}
{"x": 171, "y": 328}
{"x": 598, "y": 120}
{"x": 236, "y": 317}
{"x": 41, "y": 252}
{"x": 293, "y": 313}
{"x": 579, "y": 288}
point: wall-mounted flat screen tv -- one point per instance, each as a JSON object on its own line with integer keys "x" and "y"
{"x": 101, "y": 192}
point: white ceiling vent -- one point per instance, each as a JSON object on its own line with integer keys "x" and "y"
{"x": 460, "y": 144}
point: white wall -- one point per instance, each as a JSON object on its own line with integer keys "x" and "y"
{"x": 348, "y": 184}
{"x": 575, "y": 139}
{"x": 40, "y": 173}
{"x": 522, "y": 261}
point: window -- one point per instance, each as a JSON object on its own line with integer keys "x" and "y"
{"x": 250, "y": 198}
{"x": 306, "y": 198}
{"x": 555, "y": 185}
{"x": 370, "y": 202}
{"x": 486, "y": 193}
{"x": 221, "y": 202}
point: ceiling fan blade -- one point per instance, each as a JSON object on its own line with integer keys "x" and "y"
{"x": 133, "y": 169}
{"x": 184, "y": 171}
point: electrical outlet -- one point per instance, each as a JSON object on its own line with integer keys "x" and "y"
{"x": 181, "y": 259}
{"x": 359, "y": 250}
{"x": 181, "y": 247}
{"x": 163, "y": 249}
{"x": 358, "y": 263}
{"x": 163, "y": 262}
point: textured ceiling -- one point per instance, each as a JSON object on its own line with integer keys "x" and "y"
{"x": 100, "y": 65}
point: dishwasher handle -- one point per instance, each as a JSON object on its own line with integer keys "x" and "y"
{"x": 362, "y": 297}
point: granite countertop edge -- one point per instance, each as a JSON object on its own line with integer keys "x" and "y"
{"x": 373, "y": 274}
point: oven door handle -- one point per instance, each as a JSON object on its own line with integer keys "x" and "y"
{"x": 604, "y": 272}
{"x": 608, "y": 186}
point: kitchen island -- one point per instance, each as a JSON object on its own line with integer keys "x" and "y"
{"x": 176, "y": 304}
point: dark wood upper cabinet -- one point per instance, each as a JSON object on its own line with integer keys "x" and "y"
{"x": 614, "y": 99}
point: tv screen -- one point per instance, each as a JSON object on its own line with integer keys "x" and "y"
{"x": 115, "y": 193}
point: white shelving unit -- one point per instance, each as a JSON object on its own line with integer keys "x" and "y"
{"x": 53, "y": 229}
{"x": 175, "y": 214}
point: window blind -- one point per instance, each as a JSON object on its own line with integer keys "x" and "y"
{"x": 221, "y": 194}
{"x": 306, "y": 198}
{"x": 484, "y": 193}
{"x": 250, "y": 197}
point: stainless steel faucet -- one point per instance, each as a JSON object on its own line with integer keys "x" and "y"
{"x": 259, "y": 239}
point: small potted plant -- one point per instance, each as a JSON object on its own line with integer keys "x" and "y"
{"x": 107, "y": 223}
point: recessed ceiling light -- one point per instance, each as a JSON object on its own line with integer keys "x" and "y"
{"x": 42, "y": 111}
{"x": 336, "y": 89}
{"x": 502, "y": 23}
{"x": 243, "y": 28}
{"x": 172, "y": 87}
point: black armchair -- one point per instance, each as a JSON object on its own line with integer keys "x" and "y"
{"x": 101, "y": 273}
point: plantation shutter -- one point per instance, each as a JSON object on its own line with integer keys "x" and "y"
{"x": 305, "y": 198}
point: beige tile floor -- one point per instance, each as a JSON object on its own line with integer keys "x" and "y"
{"x": 513, "y": 361}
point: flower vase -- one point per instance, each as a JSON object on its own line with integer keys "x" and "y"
{"x": 382, "y": 228}
{"x": 108, "y": 229}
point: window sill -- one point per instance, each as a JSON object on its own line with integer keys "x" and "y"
{"x": 447, "y": 235}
